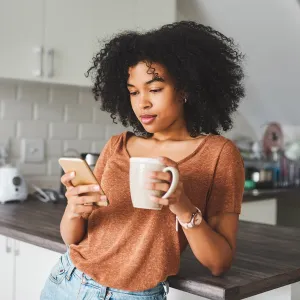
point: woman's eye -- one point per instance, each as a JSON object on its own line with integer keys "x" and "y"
{"x": 155, "y": 91}
{"x": 133, "y": 93}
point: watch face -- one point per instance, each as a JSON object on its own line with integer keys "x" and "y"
{"x": 198, "y": 219}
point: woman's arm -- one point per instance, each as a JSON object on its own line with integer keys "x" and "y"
{"x": 72, "y": 228}
{"x": 73, "y": 225}
{"x": 213, "y": 243}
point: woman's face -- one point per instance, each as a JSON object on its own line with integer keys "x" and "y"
{"x": 154, "y": 100}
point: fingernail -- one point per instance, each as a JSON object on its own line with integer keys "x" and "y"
{"x": 72, "y": 174}
{"x": 96, "y": 188}
{"x": 153, "y": 198}
{"x": 103, "y": 198}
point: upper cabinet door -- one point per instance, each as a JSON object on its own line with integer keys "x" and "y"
{"x": 72, "y": 31}
{"x": 21, "y": 39}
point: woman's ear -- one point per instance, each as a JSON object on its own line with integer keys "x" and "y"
{"x": 182, "y": 96}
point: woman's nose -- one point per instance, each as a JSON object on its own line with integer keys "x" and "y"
{"x": 144, "y": 102}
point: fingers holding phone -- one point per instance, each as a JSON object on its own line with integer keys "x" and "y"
{"x": 83, "y": 189}
{"x": 67, "y": 178}
{"x": 81, "y": 199}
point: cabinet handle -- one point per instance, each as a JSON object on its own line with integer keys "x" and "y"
{"x": 8, "y": 245}
{"x": 39, "y": 53}
{"x": 17, "y": 248}
{"x": 51, "y": 62}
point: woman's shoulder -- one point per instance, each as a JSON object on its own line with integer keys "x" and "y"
{"x": 120, "y": 139}
{"x": 222, "y": 144}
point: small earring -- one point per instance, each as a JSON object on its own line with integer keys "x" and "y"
{"x": 185, "y": 100}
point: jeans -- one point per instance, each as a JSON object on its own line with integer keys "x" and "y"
{"x": 66, "y": 282}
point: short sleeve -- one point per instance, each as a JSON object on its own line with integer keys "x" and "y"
{"x": 104, "y": 156}
{"x": 227, "y": 188}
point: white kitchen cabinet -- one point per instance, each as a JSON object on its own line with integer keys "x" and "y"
{"x": 55, "y": 41}
{"x": 72, "y": 31}
{"x": 24, "y": 269}
{"x": 7, "y": 268}
{"x": 21, "y": 36}
{"x": 260, "y": 211}
{"x": 33, "y": 266}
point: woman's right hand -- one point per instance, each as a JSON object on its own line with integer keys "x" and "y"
{"x": 80, "y": 204}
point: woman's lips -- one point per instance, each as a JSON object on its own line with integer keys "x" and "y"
{"x": 147, "y": 119}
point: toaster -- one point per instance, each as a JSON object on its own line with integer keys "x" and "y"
{"x": 12, "y": 185}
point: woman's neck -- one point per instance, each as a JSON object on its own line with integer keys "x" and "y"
{"x": 172, "y": 136}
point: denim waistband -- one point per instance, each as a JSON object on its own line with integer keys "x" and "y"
{"x": 72, "y": 270}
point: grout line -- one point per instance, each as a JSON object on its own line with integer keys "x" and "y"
{"x": 1, "y": 109}
{"x": 34, "y": 112}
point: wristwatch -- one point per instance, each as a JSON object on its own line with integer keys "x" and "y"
{"x": 196, "y": 220}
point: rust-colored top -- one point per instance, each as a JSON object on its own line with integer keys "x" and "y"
{"x": 135, "y": 249}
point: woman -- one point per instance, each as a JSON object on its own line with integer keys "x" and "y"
{"x": 177, "y": 88}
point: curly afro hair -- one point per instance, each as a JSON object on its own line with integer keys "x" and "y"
{"x": 205, "y": 65}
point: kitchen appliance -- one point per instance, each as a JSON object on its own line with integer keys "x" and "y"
{"x": 273, "y": 142}
{"x": 90, "y": 158}
{"x": 45, "y": 195}
{"x": 12, "y": 185}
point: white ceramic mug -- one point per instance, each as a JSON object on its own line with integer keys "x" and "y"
{"x": 140, "y": 167}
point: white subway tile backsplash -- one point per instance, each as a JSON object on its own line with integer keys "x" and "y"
{"x": 33, "y": 92}
{"x": 13, "y": 110}
{"x": 47, "y": 182}
{"x": 63, "y": 131}
{"x": 66, "y": 117}
{"x": 32, "y": 169}
{"x": 86, "y": 97}
{"x": 15, "y": 147}
{"x": 49, "y": 112}
{"x": 64, "y": 95}
{"x": 97, "y": 146}
{"x": 7, "y": 129}
{"x": 8, "y": 91}
{"x": 91, "y": 132}
{"x": 78, "y": 113}
{"x": 113, "y": 130}
{"x": 32, "y": 129}
{"x": 54, "y": 148}
{"x": 101, "y": 117}
{"x": 78, "y": 145}
{"x": 54, "y": 167}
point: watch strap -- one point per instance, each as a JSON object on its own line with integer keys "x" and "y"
{"x": 189, "y": 224}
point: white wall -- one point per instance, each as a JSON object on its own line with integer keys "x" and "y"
{"x": 268, "y": 32}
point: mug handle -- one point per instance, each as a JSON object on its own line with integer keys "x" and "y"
{"x": 175, "y": 180}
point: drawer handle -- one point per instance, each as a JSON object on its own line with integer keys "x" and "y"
{"x": 39, "y": 52}
{"x": 51, "y": 63}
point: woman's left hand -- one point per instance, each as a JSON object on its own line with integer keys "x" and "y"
{"x": 178, "y": 202}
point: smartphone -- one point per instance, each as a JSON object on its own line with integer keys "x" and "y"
{"x": 83, "y": 173}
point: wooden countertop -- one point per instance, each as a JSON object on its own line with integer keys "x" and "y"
{"x": 267, "y": 257}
